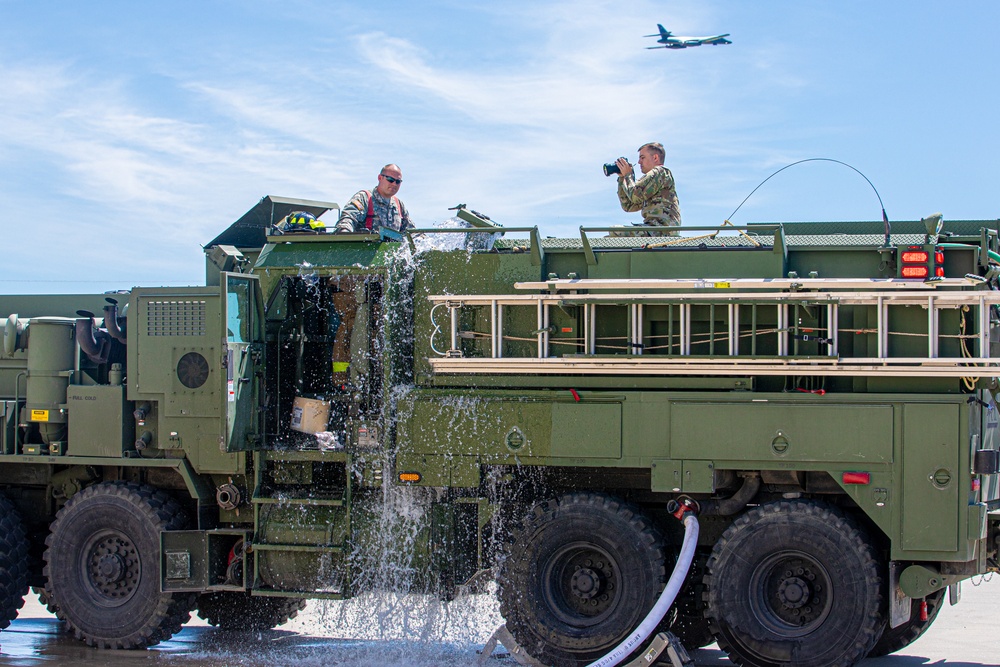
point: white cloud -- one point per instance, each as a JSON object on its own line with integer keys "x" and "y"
{"x": 537, "y": 97}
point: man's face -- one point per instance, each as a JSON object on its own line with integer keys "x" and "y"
{"x": 387, "y": 188}
{"x": 647, "y": 160}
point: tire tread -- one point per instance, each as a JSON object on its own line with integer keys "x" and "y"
{"x": 164, "y": 513}
{"x": 727, "y": 626}
{"x": 13, "y": 562}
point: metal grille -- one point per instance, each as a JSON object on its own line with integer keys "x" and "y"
{"x": 176, "y": 318}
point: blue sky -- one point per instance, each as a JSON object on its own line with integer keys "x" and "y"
{"x": 133, "y": 132}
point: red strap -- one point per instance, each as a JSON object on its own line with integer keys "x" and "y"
{"x": 370, "y": 215}
{"x": 371, "y": 211}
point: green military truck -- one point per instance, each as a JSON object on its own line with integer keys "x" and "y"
{"x": 331, "y": 415}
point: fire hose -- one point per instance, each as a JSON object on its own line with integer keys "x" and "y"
{"x": 684, "y": 511}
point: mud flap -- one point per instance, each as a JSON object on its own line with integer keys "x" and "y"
{"x": 899, "y": 602}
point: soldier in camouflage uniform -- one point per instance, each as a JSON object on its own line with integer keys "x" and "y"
{"x": 654, "y": 194}
{"x": 368, "y": 210}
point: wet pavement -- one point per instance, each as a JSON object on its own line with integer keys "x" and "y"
{"x": 336, "y": 634}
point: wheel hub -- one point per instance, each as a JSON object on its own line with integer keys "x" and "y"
{"x": 793, "y": 593}
{"x": 113, "y": 567}
{"x": 581, "y": 584}
{"x": 586, "y": 583}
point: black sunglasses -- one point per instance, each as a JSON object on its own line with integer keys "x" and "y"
{"x": 391, "y": 179}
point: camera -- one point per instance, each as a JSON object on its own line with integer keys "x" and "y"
{"x": 612, "y": 168}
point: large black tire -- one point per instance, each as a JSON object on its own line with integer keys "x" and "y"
{"x": 13, "y": 563}
{"x": 895, "y": 639}
{"x": 240, "y": 612}
{"x": 795, "y": 583}
{"x": 102, "y": 566}
{"x": 580, "y": 574}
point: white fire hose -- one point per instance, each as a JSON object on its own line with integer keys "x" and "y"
{"x": 659, "y": 610}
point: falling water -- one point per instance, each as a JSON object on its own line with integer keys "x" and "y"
{"x": 399, "y": 616}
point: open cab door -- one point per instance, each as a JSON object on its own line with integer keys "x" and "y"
{"x": 242, "y": 314}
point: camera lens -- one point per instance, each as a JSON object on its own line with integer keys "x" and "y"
{"x": 611, "y": 169}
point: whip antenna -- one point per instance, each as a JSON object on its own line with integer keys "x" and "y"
{"x": 885, "y": 218}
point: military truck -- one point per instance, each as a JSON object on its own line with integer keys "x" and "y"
{"x": 335, "y": 414}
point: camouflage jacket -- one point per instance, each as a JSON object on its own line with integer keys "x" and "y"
{"x": 654, "y": 194}
{"x": 385, "y": 213}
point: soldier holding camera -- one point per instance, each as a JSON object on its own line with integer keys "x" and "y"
{"x": 654, "y": 194}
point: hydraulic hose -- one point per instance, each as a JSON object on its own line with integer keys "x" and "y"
{"x": 667, "y": 597}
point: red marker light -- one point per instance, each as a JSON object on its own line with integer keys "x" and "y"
{"x": 915, "y": 272}
{"x": 856, "y": 478}
{"x": 914, "y": 256}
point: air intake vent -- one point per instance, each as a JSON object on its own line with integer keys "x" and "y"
{"x": 176, "y": 318}
{"x": 192, "y": 370}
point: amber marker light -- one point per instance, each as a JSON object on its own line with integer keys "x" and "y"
{"x": 409, "y": 477}
{"x": 856, "y": 478}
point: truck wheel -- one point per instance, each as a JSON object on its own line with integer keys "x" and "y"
{"x": 895, "y": 639}
{"x": 794, "y": 583}
{"x": 102, "y": 566}
{"x": 580, "y": 574}
{"x": 240, "y": 612}
{"x": 13, "y": 563}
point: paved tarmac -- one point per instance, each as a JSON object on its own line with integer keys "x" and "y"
{"x": 963, "y": 636}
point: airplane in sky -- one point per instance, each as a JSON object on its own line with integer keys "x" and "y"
{"x": 672, "y": 41}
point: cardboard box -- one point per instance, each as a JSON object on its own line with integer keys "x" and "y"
{"x": 310, "y": 415}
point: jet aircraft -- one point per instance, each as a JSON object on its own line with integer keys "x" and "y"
{"x": 672, "y": 41}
